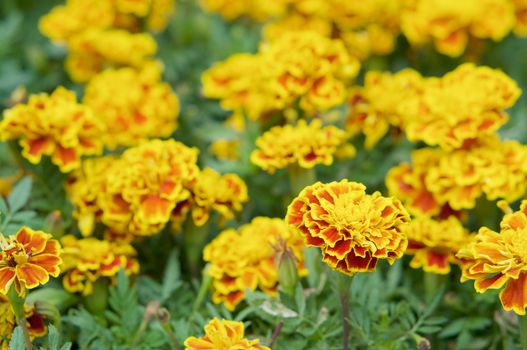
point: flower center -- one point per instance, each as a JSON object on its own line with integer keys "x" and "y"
{"x": 517, "y": 242}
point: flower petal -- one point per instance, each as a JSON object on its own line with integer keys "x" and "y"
{"x": 31, "y": 275}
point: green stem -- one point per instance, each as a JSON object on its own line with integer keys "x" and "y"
{"x": 17, "y": 303}
{"x": 300, "y": 177}
{"x": 433, "y": 282}
{"x": 205, "y": 284}
{"x": 523, "y": 331}
{"x": 194, "y": 238}
{"x": 344, "y": 285}
{"x": 97, "y": 301}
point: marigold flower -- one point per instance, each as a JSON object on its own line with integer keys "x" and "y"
{"x": 244, "y": 259}
{"x": 233, "y": 9}
{"x": 223, "y": 335}
{"x": 34, "y": 321}
{"x": 520, "y": 28}
{"x": 449, "y": 23}
{"x": 304, "y": 144}
{"x": 54, "y": 125}
{"x": 352, "y": 228}
{"x": 434, "y": 243}
{"x": 437, "y": 178}
{"x": 27, "y": 259}
{"x": 94, "y": 49}
{"x": 213, "y": 191}
{"x": 134, "y": 104}
{"x": 380, "y": 103}
{"x": 225, "y": 149}
{"x": 465, "y": 104}
{"x": 145, "y": 185}
{"x": 105, "y": 259}
{"x": 495, "y": 260}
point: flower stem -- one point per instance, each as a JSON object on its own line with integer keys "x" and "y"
{"x": 433, "y": 282}
{"x": 523, "y": 331}
{"x": 194, "y": 238}
{"x": 344, "y": 284}
{"x": 17, "y": 303}
{"x": 300, "y": 177}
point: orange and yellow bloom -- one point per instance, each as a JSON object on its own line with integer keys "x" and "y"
{"x": 434, "y": 243}
{"x": 353, "y": 229}
{"x": 496, "y": 260}
{"x": 244, "y": 259}
{"x": 27, "y": 259}
{"x": 223, "y": 335}
{"x": 54, "y": 125}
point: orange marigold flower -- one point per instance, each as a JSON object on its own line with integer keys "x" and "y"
{"x": 304, "y": 144}
{"x": 27, "y": 259}
{"x": 465, "y": 104}
{"x": 434, "y": 244}
{"x": 520, "y": 27}
{"x": 244, "y": 259}
{"x": 34, "y": 321}
{"x": 495, "y": 260}
{"x": 352, "y": 228}
{"x": 144, "y": 186}
{"x": 223, "y": 335}
{"x": 213, "y": 191}
{"x": 134, "y": 104}
{"x": 105, "y": 259}
{"x": 54, "y": 125}
{"x": 380, "y": 103}
{"x": 449, "y": 24}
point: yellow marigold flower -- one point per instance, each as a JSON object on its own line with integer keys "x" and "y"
{"x": 244, "y": 259}
{"x": 255, "y": 9}
{"x": 63, "y": 22}
{"x": 27, "y": 259}
{"x": 380, "y": 103}
{"x": 54, "y": 125}
{"x": 144, "y": 187}
{"x": 495, "y": 260}
{"x": 465, "y": 104}
{"x": 94, "y": 49}
{"x": 449, "y": 23}
{"x": 297, "y": 22}
{"x": 309, "y": 68}
{"x": 225, "y": 149}
{"x": 83, "y": 188}
{"x": 434, "y": 243}
{"x": 520, "y": 28}
{"x": 134, "y": 104}
{"x": 438, "y": 179}
{"x": 160, "y": 11}
{"x": 213, "y": 191}
{"x": 34, "y": 321}
{"x": 223, "y": 335}
{"x": 105, "y": 259}
{"x": 304, "y": 144}
{"x": 352, "y": 228}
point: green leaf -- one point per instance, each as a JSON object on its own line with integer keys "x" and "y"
{"x": 53, "y": 337}
{"x": 453, "y": 328}
{"x": 429, "y": 329}
{"x": 17, "y": 340}
{"x": 171, "y": 276}
{"x": 300, "y": 299}
{"x": 20, "y": 194}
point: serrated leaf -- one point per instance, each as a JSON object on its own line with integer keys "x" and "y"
{"x": 429, "y": 329}
{"x": 300, "y": 299}
{"x": 17, "y": 340}
{"x": 53, "y": 338}
{"x": 20, "y": 194}
{"x": 453, "y": 328}
{"x": 171, "y": 276}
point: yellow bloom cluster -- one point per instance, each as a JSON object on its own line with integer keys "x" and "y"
{"x": 34, "y": 322}
{"x": 104, "y": 259}
{"x": 521, "y": 17}
{"x": 434, "y": 243}
{"x": 353, "y": 229}
{"x": 463, "y": 105}
{"x": 367, "y": 28}
{"x": 134, "y": 104}
{"x": 212, "y": 191}
{"x": 55, "y": 125}
{"x": 301, "y": 68}
{"x": 450, "y": 24}
{"x": 437, "y": 179}
{"x": 380, "y": 103}
{"x": 254, "y": 9}
{"x": 105, "y": 32}
{"x": 451, "y": 111}
{"x": 139, "y": 192}
{"x": 223, "y": 335}
{"x": 244, "y": 259}
{"x": 495, "y": 260}
{"x": 304, "y": 144}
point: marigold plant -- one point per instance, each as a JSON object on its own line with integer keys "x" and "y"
{"x": 353, "y": 229}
